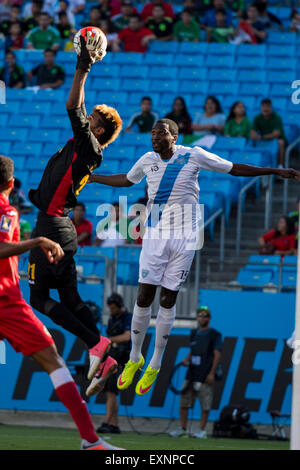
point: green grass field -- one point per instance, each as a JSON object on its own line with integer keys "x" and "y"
{"x": 26, "y": 438}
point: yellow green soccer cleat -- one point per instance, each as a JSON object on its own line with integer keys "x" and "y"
{"x": 143, "y": 386}
{"x": 129, "y": 372}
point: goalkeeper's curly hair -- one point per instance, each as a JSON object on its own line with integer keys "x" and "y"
{"x": 113, "y": 124}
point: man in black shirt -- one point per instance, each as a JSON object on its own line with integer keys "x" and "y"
{"x": 65, "y": 175}
{"x": 161, "y": 25}
{"x": 118, "y": 331}
{"x": 12, "y": 74}
{"x": 48, "y": 75}
{"x": 202, "y": 361}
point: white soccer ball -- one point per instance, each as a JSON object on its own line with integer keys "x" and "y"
{"x": 97, "y": 53}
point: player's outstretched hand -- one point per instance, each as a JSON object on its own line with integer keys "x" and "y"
{"x": 89, "y": 51}
{"x": 52, "y": 250}
{"x": 92, "y": 179}
{"x": 289, "y": 173}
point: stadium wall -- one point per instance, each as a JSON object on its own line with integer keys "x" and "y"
{"x": 256, "y": 361}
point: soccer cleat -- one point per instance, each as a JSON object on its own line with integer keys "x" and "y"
{"x": 106, "y": 369}
{"x": 179, "y": 432}
{"x": 129, "y": 372}
{"x": 98, "y": 445}
{"x": 144, "y": 385}
{"x": 201, "y": 434}
{"x": 97, "y": 354}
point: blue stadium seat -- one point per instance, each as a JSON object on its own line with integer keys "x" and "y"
{"x": 34, "y": 177}
{"x": 212, "y": 202}
{"x": 19, "y": 162}
{"x": 24, "y": 121}
{"x": 158, "y": 59}
{"x": 56, "y": 122}
{"x": 163, "y": 47}
{"x": 50, "y": 95}
{"x": 281, "y": 63}
{"x": 64, "y": 57}
{"x": 90, "y": 252}
{"x": 133, "y": 195}
{"x": 221, "y": 75}
{"x": 107, "y": 70}
{"x": 192, "y": 73}
{"x": 265, "y": 259}
{"x": 275, "y": 37}
{"x": 134, "y": 71}
{"x": 289, "y": 277}
{"x": 34, "y": 163}
{"x": 50, "y": 148}
{"x": 99, "y": 269}
{"x": 217, "y": 48}
{"x": 37, "y": 135}
{"x": 106, "y": 84}
{"x": 3, "y": 119}
{"x": 223, "y": 88}
{"x": 161, "y": 86}
{"x": 289, "y": 259}
{"x": 12, "y": 135}
{"x": 21, "y": 95}
{"x": 120, "y": 152}
{"x": 135, "y": 84}
{"x": 135, "y": 98}
{"x": 222, "y": 61}
{"x": 125, "y": 58}
{"x": 159, "y": 72}
{"x": 193, "y": 86}
{"x": 19, "y": 148}
{"x": 83, "y": 267}
{"x": 246, "y": 157}
{"x": 255, "y": 89}
{"x": 183, "y": 60}
{"x": 110, "y": 166}
{"x": 58, "y": 109}
{"x": 29, "y": 108}
{"x": 132, "y": 139}
{"x": 5, "y": 148}
{"x": 114, "y": 98}
{"x": 96, "y": 193}
{"x": 125, "y": 166}
{"x": 251, "y": 76}
{"x": 91, "y": 208}
{"x": 249, "y": 277}
{"x": 11, "y": 107}
{"x": 223, "y": 188}
{"x": 281, "y": 89}
{"x": 284, "y": 13}
{"x": 279, "y": 50}
{"x": 292, "y": 118}
{"x": 251, "y": 50}
{"x": 249, "y": 62}
{"x": 230, "y": 143}
{"x": 281, "y": 76}
{"x": 199, "y": 48}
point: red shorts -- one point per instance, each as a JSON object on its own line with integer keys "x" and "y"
{"x": 20, "y": 326}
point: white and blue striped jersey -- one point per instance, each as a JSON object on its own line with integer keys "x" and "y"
{"x": 175, "y": 181}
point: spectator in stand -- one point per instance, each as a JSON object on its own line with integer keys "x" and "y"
{"x": 84, "y": 228}
{"x": 43, "y": 36}
{"x": 109, "y": 29}
{"x": 237, "y": 123}
{"x": 25, "y": 226}
{"x": 161, "y": 25}
{"x": 209, "y": 18}
{"x": 250, "y": 30}
{"x": 104, "y": 9}
{"x": 180, "y": 115}
{"x": 14, "y": 16}
{"x": 191, "y": 7}
{"x": 64, "y": 7}
{"x": 295, "y": 24}
{"x": 143, "y": 121}
{"x": 48, "y": 75}
{"x": 187, "y": 29}
{"x": 15, "y": 39}
{"x": 52, "y": 7}
{"x": 4, "y": 10}
{"x": 31, "y": 15}
{"x": 212, "y": 120}
{"x": 94, "y": 18}
{"x": 147, "y": 11}
{"x": 122, "y": 19}
{"x": 113, "y": 230}
{"x": 220, "y": 33}
{"x": 63, "y": 25}
{"x": 236, "y": 6}
{"x": 11, "y": 73}
{"x": 17, "y": 198}
{"x": 69, "y": 46}
{"x": 135, "y": 38}
{"x": 268, "y": 126}
{"x": 270, "y": 21}
{"x": 279, "y": 241}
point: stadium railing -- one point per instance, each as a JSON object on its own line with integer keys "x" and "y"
{"x": 287, "y": 165}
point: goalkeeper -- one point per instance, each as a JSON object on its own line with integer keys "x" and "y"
{"x": 65, "y": 175}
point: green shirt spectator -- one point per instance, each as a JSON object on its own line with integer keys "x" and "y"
{"x": 143, "y": 121}
{"x": 267, "y": 126}
{"x": 237, "y": 123}
{"x": 187, "y": 29}
{"x": 43, "y": 36}
{"x": 12, "y": 74}
{"x": 25, "y": 229}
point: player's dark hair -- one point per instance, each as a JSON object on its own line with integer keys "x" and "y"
{"x": 221, "y": 11}
{"x": 159, "y": 5}
{"x": 290, "y": 226}
{"x": 187, "y": 10}
{"x": 266, "y": 101}
{"x": 6, "y": 169}
{"x": 172, "y": 125}
{"x": 61, "y": 14}
{"x": 50, "y": 50}
{"x": 112, "y": 124}
{"x": 146, "y": 98}
{"x": 184, "y": 108}
{"x": 232, "y": 111}
{"x": 15, "y": 5}
{"x": 10, "y": 51}
{"x": 116, "y": 299}
{"x": 82, "y": 205}
{"x": 217, "y": 103}
{"x": 136, "y": 15}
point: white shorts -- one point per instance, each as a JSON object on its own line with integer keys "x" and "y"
{"x": 165, "y": 263}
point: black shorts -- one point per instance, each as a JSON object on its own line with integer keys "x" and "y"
{"x": 111, "y": 384}
{"x": 41, "y": 273}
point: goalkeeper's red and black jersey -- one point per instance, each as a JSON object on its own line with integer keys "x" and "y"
{"x": 69, "y": 169}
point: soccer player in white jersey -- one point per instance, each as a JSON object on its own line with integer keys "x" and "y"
{"x": 172, "y": 177}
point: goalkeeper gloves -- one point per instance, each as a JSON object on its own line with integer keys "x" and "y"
{"x": 90, "y": 52}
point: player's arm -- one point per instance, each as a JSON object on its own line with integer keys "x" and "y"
{"x": 240, "y": 169}
{"x": 118, "y": 181}
{"x": 52, "y": 250}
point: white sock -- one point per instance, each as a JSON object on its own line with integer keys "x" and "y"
{"x": 164, "y": 322}
{"x": 139, "y": 325}
{"x": 60, "y": 377}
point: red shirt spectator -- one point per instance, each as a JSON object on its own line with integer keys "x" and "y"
{"x": 83, "y": 226}
{"x": 279, "y": 241}
{"x": 135, "y": 38}
{"x": 147, "y": 10}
